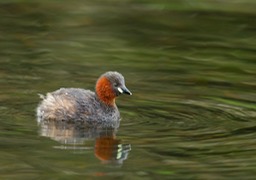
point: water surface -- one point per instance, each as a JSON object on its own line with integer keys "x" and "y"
{"x": 190, "y": 67}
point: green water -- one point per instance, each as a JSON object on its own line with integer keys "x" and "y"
{"x": 190, "y": 66}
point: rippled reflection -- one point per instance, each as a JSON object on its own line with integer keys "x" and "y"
{"x": 73, "y": 135}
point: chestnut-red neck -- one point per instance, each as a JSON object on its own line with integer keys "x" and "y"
{"x": 105, "y": 91}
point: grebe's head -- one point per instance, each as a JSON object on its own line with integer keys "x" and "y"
{"x": 110, "y": 85}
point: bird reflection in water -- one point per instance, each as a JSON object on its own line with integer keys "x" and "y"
{"x": 73, "y": 135}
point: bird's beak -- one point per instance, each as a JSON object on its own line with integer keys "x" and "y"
{"x": 124, "y": 90}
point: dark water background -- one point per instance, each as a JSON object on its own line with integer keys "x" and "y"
{"x": 190, "y": 65}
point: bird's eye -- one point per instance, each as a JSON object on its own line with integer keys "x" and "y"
{"x": 115, "y": 85}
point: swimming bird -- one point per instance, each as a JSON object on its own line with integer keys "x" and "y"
{"x": 76, "y": 104}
